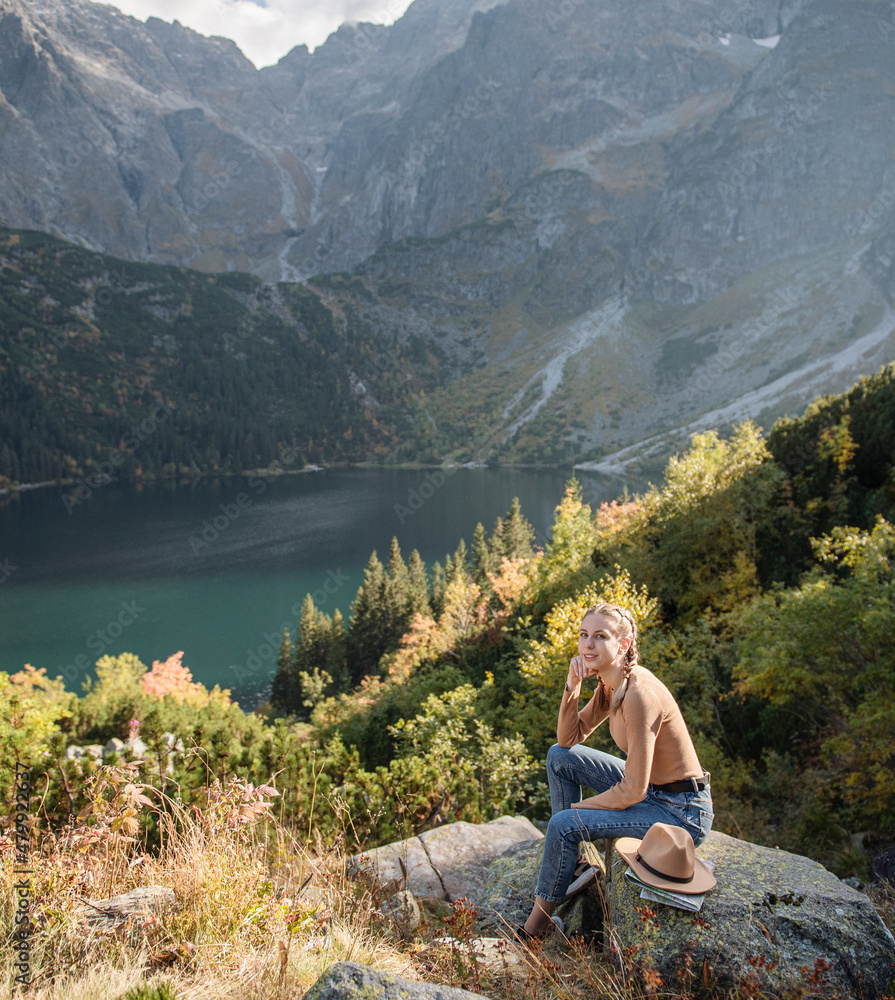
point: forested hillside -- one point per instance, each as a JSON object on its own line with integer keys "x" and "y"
{"x": 113, "y": 368}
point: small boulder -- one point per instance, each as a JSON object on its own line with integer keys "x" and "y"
{"x": 129, "y": 908}
{"x": 137, "y": 747}
{"x": 496, "y": 954}
{"x": 352, "y": 981}
{"x": 113, "y": 746}
{"x": 462, "y": 852}
{"x": 448, "y": 862}
{"x": 403, "y": 911}
{"x": 774, "y": 918}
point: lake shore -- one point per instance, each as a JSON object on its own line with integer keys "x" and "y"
{"x": 149, "y": 477}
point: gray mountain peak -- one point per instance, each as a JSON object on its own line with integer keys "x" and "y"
{"x": 696, "y": 198}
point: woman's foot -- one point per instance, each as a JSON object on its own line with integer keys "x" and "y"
{"x": 526, "y": 937}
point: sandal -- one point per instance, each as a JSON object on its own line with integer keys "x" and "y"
{"x": 522, "y": 936}
{"x": 560, "y": 927}
{"x": 583, "y": 880}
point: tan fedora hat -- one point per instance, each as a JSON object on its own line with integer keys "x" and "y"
{"x": 666, "y": 859}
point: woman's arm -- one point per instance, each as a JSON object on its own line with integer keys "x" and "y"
{"x": 642, "y": 717}
{"x": 572, "y": 726}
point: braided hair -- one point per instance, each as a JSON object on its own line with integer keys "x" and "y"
{"x": 626, "y": 627}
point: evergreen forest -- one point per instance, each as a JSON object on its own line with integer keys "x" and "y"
{"x": 118, "y": 369}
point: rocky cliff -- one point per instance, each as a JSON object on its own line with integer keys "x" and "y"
{"x": 616, "y": 221}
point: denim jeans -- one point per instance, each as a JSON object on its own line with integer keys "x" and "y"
{"x": 568, "y": 769}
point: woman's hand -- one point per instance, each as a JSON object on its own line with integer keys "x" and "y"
{"x": 577, "y": 673}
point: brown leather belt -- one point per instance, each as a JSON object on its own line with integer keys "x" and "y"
{"x": 684, "y": 785}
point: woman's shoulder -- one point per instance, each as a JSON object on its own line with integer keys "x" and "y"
{"x": 645, "y": 688}
{"x": 644, "y": 677}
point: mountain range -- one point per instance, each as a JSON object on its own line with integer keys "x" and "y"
{"x": 613, "y": 224}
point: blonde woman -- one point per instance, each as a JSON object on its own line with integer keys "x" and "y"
{"x": 660, "y": 781}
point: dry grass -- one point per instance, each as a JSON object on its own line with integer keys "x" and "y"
{"x": 257, "y": 912}
{"x": 261, "y": 913}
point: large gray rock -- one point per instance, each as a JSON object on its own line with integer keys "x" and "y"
{"x": 507, "y": 895}
{"x": 507, "y": 892}
{"x": 774, "y": 917}
{"x": 449, "y": 862}
{"x": 349, "y": 980}
{"x": 462, "y": 852}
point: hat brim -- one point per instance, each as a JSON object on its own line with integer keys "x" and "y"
{"x": 703, "y": 879}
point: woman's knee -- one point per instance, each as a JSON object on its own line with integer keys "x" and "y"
{"x": 566, "y": 825}
{"x": 556, "y": 755}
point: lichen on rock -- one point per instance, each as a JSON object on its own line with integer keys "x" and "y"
{"x": 774, "y": 918}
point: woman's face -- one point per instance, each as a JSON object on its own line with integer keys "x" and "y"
{"x": 599, "y": 647}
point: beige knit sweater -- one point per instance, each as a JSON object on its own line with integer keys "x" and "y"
{"x": 648, "y": 727}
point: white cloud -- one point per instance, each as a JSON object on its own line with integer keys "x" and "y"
{"x": 265, "y": 33}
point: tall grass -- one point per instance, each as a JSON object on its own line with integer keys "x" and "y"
{"x": 258, "y": 912}
{"x": 262, "y": 912}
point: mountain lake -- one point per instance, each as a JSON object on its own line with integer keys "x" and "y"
{"x": 218, "y": 567}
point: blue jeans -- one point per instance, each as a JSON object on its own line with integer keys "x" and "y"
{"x": 568, "y": 769}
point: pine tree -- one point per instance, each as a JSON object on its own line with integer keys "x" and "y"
{"x": 285, "y": 691}
{"x": 336, "y": 656}
{"x": 396, "y": 590}
{"x": 481, "y": 556}
{"x": 367, "y": 639}
{"x": 498, "y": 543}
{"x": 518, "y": 534}
{"x": 438, "y": 585}
{"x": 311, "y": 658}
{"x": 418, "y": 591}
{"x": 461, "y": 562}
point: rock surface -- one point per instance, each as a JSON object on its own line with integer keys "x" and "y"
{"x": 352, "y": 981}
{"x": 771, "y": 916}
{"x": 448, "y": 862}
{"x": 495, "y": 953}
{"x": 507, "y": 894}
{"x": 130, "y": 907}
{"x": 695, "y": 203}
{"x": 403, "y": 911}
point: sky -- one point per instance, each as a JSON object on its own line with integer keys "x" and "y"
{"x": 267, "y": 30}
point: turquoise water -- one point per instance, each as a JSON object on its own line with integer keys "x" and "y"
{"x": 217, "y": 568}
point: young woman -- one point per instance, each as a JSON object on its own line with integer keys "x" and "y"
{"x": 661, "y": 781}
